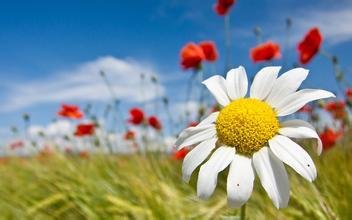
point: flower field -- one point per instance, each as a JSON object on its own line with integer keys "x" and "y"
{"x": 103, "y": 188}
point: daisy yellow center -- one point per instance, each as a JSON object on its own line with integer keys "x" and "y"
{"x": 246, "y": 124}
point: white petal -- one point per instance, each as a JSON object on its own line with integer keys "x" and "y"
{"x": 263, "y": 82}
{"x": 210, "y": 119}
{"x": 294, "y": 156}
{"x": 240, "y": 181}
{"x": 194, "y": 135}
{"x": 217, "y": 86}
{"x": 301, "y": 129}
{"x": 286, "y": 84}
{"x": 196, "y": 156}
{"x": 208, "y": 173}
{"x": 297, "y": 100}
{"x": 237, "y": 83}
{"x": 273, "y": 176}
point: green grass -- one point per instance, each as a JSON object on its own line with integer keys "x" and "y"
{"x": 150, "y": 187}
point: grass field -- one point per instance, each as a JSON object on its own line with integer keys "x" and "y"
{"x": 150, "y": 187}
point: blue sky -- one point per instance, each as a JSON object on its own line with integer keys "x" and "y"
{"x": 46, "y": 46}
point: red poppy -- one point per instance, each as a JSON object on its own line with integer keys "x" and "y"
{"x": 154, "y": 122}
{"x": 192, "y": 56}
{"x": 306, "y": 109}
{"x": 265, "y": 52}
{"x": 349, "y": 94}
{"x": 310, "y": 45}
{"x": 3, "y": 160}
{"x": 129, "y": 135}
{"x": 215, "y": 108}
{"x": 329, "y": 138}
{"x": 222, "y": 7}
{"x": 68, "y": 150}
{"x": 84, "y": 154}
{"x": 85, "y": 130}
{"x": 137, "y": 116}
{"x": 70, "y": 111}
{"x": 193, "y": 124}
{"x": 46, "y": 151}
{"x": 16, "y": 145}
{"x": 180, "y": 154}
{"x": 336, "y": 108}
{"x": 209, "y": 50}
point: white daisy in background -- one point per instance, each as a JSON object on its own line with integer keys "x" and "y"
{"x": 248, "y": 136}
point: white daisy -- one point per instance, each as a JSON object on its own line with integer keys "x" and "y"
{"x": 248, "y": 136}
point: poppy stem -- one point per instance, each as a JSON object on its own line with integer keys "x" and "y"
{"x": 108, "y": 85}
{"x": 115, "y": 101}
{"x": 142, "y": 89}
{"x": 168, "y": 113}
{"x": 155, "y": 83}
{"x": 27, "y": 123}
{"x": 258, "y": 35}
{"x": 287, "y": 41}
{"x": 145, "y": 138}
{"x": 201, "y": 95}
{"x": 338, "y": 74}
{"x": 243, "y": 212}
{"x": 189, "y": 91}
{"x": 227, "y": 42}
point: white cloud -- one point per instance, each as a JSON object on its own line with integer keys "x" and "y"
{"x": 334, "y": 24}
{"x": 181, "y": 108}
{"x": 35, "y": 131}
{"x": 59, "y": 128}
{"x": 84, "y": 83}
{"x": 4, "y": 135}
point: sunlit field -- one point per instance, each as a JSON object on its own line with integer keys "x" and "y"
{"x": 150, "y": 187}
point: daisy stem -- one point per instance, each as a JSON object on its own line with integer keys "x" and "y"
{"x": 243, "y": 212}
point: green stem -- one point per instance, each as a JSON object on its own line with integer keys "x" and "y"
{"x": 287, "y": 43}
{"x": 142, "y": 90}
{"x": 243, "y": 212}
{"x": 155, "y": 82}
{"x": 323, "y": 203}
{"x": 189, "y": 91}
{"x": 227, "y": 42}
{"x": 201, "y": 94}
{"x": 169, "y": 115}
{"x": 335, "y": 67}
{"x": 115, "y": 101}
